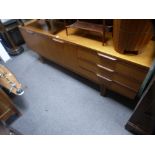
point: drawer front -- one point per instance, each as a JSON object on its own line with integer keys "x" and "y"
{"x": 123, "y": 90}
{"x": 132, "y": 84}
{"x": 87, "y": 65}
{"x": 88, "y": 69}
{"x": 48, "y": 47}
{"x": 107, "y": 61}
{"x": 87, "y": 54}
{"x": 106, "y": 72}
{"x": 70, "y": 56}
{"x": 131, "y": 71}
{"x": 88, "y": 74}
{"x": 116, "y": 87}
{"x": 104, "y": 81}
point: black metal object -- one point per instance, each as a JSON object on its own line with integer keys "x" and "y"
{"x": 11, "y": 38}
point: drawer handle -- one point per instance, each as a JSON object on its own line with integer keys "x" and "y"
{"x": 30, "y": 32}
{"x": 105, "y": 56}
{"x": 57, "y": 40}
{"x": 102, "y": 77}
{"x": 105, "y": 68}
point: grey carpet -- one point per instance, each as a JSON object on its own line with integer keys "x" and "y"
{"x": 57, "y": 101}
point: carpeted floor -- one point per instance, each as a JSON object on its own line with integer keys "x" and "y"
{"x": 57, "y": 101}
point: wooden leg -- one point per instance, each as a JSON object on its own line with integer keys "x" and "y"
{"x": 103, "y": 90}
{"x": 103, "y": 35}
{"x": 17, "y": 111}
{"x": 66, "y": 31}
{"x": 66, "y": 27}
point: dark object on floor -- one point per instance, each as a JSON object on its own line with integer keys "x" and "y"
{"x": 142, "y": 120}
{"x": 11, "y": 37}
{"x": 17, "y": 51}
{"x": 11, "y": 27}
{"x": 6, "y": 130}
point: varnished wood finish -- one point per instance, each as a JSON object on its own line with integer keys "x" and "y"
{"x": 92, "y": 27}
{"x": 125, "y": 80}
{"x": 130, "y": 70}
{"x": 87, "y": 26}
{"x": 123, "y": 90}
{"x": 144, "y": 59}
{"x": 131, "y": 35}
{"x": 85, "y": 56}
{"x": 88, "y": 55}
{"x": 7, "y": 108}
{"x": 107, "y": 61}
{"x": 8, "y": 80}
{"x": 117, "y": 87}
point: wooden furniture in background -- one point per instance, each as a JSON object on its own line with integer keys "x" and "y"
{"x": 131, "y": 35}
{"x": 4, "y": 30}
{"x": 11, "y": 38}
{"x": 92, "y": 27}
{"x": 9, "y": 81}
{"x": 7, "y": 108}
{"x": 142, "y": 120}
{"x": 87, "y": 57}
{"x": 51, "y": 25}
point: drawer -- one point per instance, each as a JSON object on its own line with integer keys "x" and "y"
{"x": 87, "y": 65}
{"x": 106, "y": 72}
{"x": 88, "y": 74}
{"x": 107, "y": 61}
{"x": 123, "y": 90}
{"x": 104, "y": 81}
{"x": 87, "y": 54}
{"x": 131, "y": 71}
{"x": 129, "y": 82}
{"x": 116, "y": 87}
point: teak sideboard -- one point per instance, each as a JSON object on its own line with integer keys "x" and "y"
{"x": 87, "y": 57}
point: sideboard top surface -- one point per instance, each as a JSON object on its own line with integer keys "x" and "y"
{"x": 145, "y": 58}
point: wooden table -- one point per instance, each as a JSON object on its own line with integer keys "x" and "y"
{"x": 85, "y": 55}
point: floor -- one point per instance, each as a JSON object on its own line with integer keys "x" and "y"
{"x": 59, "y": 102}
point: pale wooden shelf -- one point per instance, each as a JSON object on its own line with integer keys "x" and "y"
{"x": 87, "y": 26}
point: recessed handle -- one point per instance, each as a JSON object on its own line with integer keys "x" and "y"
{"x": 57, "y": 40}
{"x": 107, "y": 57}
{"x": 102, "y": 77}
{"x": 30, "y": 32}
{"x": 105, "y": 68}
